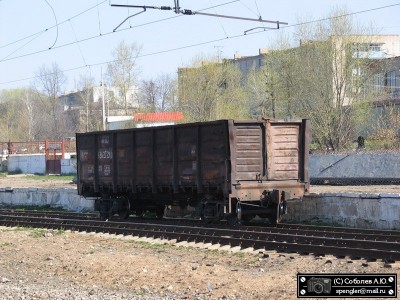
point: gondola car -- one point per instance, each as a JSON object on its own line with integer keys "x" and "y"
{"x": 226, "y": 169}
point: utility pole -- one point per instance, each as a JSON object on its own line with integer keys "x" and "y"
{"x": 102, "y": 100}
{"x": 219, "y": 52}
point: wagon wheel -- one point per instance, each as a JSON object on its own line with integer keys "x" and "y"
{"x": 242, "y": 218}
{"x": 105, "y": 209}
{"x": 160, "y": 212}
{"x": 139, "y": 213}
{"x": 125, "y": 208}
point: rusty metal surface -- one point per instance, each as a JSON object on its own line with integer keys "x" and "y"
{"x": 171, "y": 157}
{"x": 208, "y": 157}
{"x": 249, "y": 161}
{"x": 283, "y": 147}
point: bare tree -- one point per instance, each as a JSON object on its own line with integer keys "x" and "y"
{"x": 28, "y": 113}
{"x": 148, "y": 95}
{"x": 122, "y": 71}
{"x": 167, "y": 91}
{"x": 158, "y": 94}
{"x": 86, "y": 85}
{"x": 49, "y": 83}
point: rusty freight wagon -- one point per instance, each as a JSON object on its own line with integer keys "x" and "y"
{"x": 220, "y": 169}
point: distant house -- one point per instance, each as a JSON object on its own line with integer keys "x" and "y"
{"x": 140, "y": 120}
{"x": 386, "y": 82}
{"x": 76, "y": 99}
{"x": 119, "y": 122}
{"x": 157, "y": 119}
{"x": 378, "y": 49}
{"x": 89, "y": 109}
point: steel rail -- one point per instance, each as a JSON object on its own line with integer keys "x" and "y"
{"x": 280, "y": 242}
{"x": 290, "y": 229}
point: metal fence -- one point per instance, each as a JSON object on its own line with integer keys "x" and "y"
{"x": 37, "y": 147}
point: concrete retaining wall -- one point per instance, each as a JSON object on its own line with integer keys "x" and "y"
{"x": 378, "y": 211}
{"x": 36, "y": 164}
{"x": 65, "y": 198}
{"x": 68, "y": 166}
{"x": 355, "y": 165}
{"x": 27, "y": 164}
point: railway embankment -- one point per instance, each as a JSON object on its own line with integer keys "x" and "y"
{"x": 378, "y": 211}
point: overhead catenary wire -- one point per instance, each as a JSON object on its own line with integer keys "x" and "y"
{"x": 107, "y": 33}
{"x": 19, "y": 48}
{"x": 79, "y": 47}
{"x": 192, "y": 45}
{"x": 49, "y": 28}
{"x": 259, "y": 13}
{"x": 249, "y": 9}
{"x": 98, "y": 15}
{"x": 220, "y": 23}
{"x": 56, "y": 25}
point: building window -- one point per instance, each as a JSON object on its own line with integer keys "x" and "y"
{"x": 393, "y": 82}
{"x": 368, "y": 50}
{"x": 378, "y": 83}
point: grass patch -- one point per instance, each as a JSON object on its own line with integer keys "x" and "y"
{"x": 38, "y": 233}
{"x": 21, "y": 229}
{"x": 16, "y": 172}
{"x": 49, "y": 177}
{"x": 60, "y": 231}
{"x": 5, "y": 244}
{"x": 36, "y": 208}
{"x": 157, "y": 247}
{"x": 239, "y": 254}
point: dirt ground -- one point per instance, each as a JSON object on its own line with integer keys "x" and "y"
{"x": 33, "y": 181}
{"x": 40, "y": 264}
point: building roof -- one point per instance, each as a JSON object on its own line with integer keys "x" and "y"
{"x": 158, "y": 117}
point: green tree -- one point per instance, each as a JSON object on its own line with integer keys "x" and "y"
{"x": 211, "y": 91}
{"x": 323, "y": 80}
{"x": 17, "y": 115}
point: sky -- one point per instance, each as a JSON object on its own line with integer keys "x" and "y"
{"x": 80, "y": 36}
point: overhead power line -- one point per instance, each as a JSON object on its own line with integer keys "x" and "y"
{"x": 57, "y": 24}
{"x": 55, "y": 18}
{"x": 200, "y": 43}
{"x": 104, "y": 34}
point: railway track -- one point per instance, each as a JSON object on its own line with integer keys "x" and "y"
{"x": 303, "y": 239}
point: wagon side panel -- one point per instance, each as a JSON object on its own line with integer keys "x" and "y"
{"x": 248, "y": 148}
{"x": 124, "y": 160}
{"x": 86, "y": 157}
{"x": 215, "y": 155}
